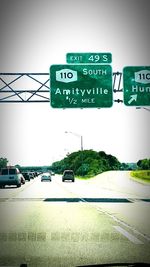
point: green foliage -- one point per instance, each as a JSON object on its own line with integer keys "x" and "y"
{"x": 144, "y": 164}
{"x": 142, "y": 175}
{"x": 3, "y": 163}
{"x": 129, "y": 166}
{"x": 87, "y": 163}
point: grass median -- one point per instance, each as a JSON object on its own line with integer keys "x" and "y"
{"x": 141, "y": 176}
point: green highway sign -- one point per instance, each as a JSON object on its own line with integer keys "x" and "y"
{"x": 136, "y": 86}
{"x": 90, "y": 58}
{"x": 81, "y": 86}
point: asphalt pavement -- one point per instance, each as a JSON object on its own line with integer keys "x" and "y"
{"x": 101, "y": 220}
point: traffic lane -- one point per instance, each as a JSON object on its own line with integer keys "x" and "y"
{"x": 12, "y": 191}
{"x": 134, "y": 214}
{"x": 121, "y": 182}
{"x": 131, "y": 212}
{"x": 128, "y": 208}
{"x": 90, "y": 188}
{"x": 37, "y": 189}
{"x": 65, "y": 234}
{"x": 111, "y": 184}
{"x": 125, "y": 181}
{"x": 33, "y": 189}
{"x": 45, "y": 189}
{"x": 54, "y": 189}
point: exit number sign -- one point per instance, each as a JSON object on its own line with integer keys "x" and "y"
{"x": 89, "y": 58}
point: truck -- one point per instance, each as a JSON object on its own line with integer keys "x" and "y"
{"x": 11, "y": 176}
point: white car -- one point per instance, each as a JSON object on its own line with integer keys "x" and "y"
{"x": 11, "y": 176}
{"x": 46, "y": 177}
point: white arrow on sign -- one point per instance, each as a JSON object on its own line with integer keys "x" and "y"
{"x": 133, "y": 98}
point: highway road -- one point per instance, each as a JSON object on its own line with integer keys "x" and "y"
{"x": 101, "y": 220}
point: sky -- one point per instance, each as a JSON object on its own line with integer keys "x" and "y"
{"x": 36, "y": 34}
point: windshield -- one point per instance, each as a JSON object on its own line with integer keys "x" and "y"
{"x": 75, "y": 125}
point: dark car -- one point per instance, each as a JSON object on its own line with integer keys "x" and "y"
{"x": 23, "y": 179}
{"x": 26, "y": 175}
{"x": 31, "y": 174}
{"x": 68, "y": 175}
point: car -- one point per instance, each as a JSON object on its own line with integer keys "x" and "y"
{"x": 11, "y": 176}
{"x": 31, "y": 174}
{"x": 68, "y": 175}
{"x": 23, "y": 179}
{"x": 46, "y": 177}
{"x": 26, "y": 175}
{"x": 36, "y": 174}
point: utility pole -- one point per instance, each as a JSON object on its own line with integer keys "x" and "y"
{"x": 81, "y": 147}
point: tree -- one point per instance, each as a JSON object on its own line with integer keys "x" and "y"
{"x": 3, "y": 163}
{"x": 144, "y": 164}
{"x": 114, "y": 164}
{"x": 124, "y": 166}
{"x": 87, "y": 162}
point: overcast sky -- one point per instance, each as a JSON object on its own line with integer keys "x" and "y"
{"x": 36, "y": 34}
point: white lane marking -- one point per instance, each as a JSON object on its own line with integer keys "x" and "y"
{"x": 131, "y": 237}
{"x": 123, "y": 223}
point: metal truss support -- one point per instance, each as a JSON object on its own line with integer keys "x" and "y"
{"x": 35, "y": 87}
{"x": 24, "y": 87}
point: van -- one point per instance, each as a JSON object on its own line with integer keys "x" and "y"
{"x": 11, "y": 176}
{"x": 68, "y": 175}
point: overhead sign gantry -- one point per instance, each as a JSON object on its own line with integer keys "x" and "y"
{"x": 87, "y": 81}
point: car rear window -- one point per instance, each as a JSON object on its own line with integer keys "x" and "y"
{"x": 69, "y": 172}
{"x": 12, "y": 171}
{"x": 5, "y": 172}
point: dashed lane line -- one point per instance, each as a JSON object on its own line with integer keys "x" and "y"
{"x": 129, "y": 236}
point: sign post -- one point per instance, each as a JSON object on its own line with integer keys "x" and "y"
{"x": 136, "y": 86}
{"x": 81, "y": 86}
